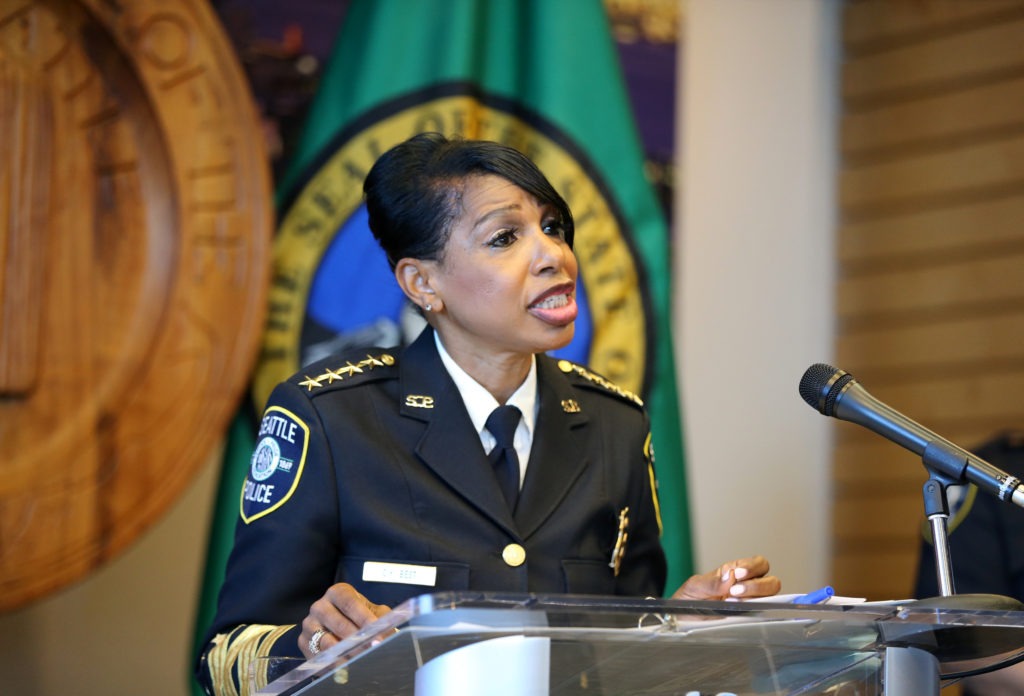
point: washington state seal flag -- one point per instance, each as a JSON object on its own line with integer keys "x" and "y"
{"x": 542, "y": 76}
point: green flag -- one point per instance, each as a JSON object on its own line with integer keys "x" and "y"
{"x": 539, "y": 75}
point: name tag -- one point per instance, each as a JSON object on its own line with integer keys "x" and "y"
{"x": 374, "y": 571}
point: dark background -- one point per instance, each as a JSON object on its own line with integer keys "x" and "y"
{"x": 284, "y": 46}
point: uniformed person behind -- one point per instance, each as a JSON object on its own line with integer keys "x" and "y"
{"x": 469, "y": 460}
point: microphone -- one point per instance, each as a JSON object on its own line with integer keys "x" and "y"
{"x": 834, "y": 392}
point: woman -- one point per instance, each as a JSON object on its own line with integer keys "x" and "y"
{"x": 379, "y": 474}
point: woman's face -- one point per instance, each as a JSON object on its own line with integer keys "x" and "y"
{"x": 507, "y": 277}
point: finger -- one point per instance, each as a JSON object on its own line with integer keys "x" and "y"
{"x": 706, "y": 586}
{"x": 329, "y": 613}
{"x": 765, "y": 586}
{"x": 736, "y": 574}
{"x": 320, "y": 639}
{"x": 343, "y": 610}
{"x": 353, "y": 606}
{"x": 729, "y": 580}
{"x": 323, "y": 613}
{"x": 751, "y": 567}
{"x": 307, "y": 645}
{"x": 340, "y": 612}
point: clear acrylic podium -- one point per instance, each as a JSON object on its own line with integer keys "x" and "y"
{"x": 457, "y": 644}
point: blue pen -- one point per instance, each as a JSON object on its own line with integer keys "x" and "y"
{"x": 815, "y": 597}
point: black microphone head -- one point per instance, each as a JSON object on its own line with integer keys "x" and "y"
{"x": 821, "y": 386}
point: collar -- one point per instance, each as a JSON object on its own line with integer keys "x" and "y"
{"x": 479, "y": 402}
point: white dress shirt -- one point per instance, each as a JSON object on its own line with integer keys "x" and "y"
{"x": 479, "y": 402}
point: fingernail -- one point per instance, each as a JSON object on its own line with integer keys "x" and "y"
{"x": 725, "y": 576}
{"x": 740, "y": 573}
{"x": 737, "y": 590}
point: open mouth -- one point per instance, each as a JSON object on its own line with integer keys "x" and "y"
{"x": 554, "y": 301}
{"x": 558, "y": 307}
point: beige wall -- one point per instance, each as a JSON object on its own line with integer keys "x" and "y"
{"x": 755, "y": 277}
{"x": 127, "y": 629}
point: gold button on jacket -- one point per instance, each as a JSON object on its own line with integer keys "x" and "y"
{"x": 514, "y": 555}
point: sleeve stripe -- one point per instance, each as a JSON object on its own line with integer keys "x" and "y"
{"x": 648, "y": 454}
{"x": 231, "y": 654}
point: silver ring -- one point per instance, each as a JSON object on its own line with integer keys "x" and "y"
{"x": 314, "y": 640}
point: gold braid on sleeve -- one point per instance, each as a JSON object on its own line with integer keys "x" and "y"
{"x": 232, "y": 653}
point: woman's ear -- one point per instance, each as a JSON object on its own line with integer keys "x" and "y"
{"x": 413, "y": 276}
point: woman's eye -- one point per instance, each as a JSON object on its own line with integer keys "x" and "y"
{"x": 555, "y": 228}
{"x": 503, "y": 238}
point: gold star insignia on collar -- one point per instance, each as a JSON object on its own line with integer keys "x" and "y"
{"x": 310, "y": 382}
{"x": 347, "y": 370}
{"x": 568, "y": 367}
{"x": 570, "y": 406}
{"x": 370, "y": 361}
{"x": 350, "y": 369}
{"x": 330, "y": 375}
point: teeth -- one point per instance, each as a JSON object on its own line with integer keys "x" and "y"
{"x": 553, "y": 302}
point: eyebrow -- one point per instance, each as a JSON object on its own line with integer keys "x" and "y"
{"x": 497, "y": 212}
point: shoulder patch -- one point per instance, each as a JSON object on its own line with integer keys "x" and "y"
{"x": 342, "y": 372}
{"x": 597, "y": 380}
{"x": 276, "y": 465}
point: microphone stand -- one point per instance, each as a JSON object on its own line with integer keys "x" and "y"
{"x": 912, "y": 670}
{"x": 946, "y": 465}
{"x": 936, "y": 509}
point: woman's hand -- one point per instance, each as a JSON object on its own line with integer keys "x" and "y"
{"x": 339, "y": 613}
{"x": 740, "y": 579}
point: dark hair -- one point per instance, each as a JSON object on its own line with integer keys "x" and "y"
{"x": 413, "y": 190}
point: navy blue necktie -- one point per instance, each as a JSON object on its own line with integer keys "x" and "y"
{"x": 502, "y": 425}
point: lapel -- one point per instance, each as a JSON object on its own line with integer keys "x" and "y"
{"x": 449, "y": 445}
{"x": 559, "y": 453}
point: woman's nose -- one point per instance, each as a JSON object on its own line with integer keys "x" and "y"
{"x": 550, "y": 252}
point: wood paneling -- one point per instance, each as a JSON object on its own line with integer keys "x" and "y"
{"x": 930, "y": 295}
{"x": 873, "y": 25}
{"x": 945, "y": 120}
{"x": 985, "y": 227}
{"x": 973, "y": 342}
{"x": 964, "y": 47}
{"x": 878, "y": 573}
{"x": 933, "y": 179}
{"x": 933, "y": 288}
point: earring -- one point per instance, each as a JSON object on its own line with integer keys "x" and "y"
{"x": 428, "y": 307}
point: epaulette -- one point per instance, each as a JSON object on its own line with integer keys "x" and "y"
{"x": 599, "y": 381}
{"x": 338, "y": 372}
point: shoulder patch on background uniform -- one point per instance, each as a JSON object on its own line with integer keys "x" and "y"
{"x": 276, "y": 465}
{"x": 571, "y": 368}
{"x": 342, "y": 372}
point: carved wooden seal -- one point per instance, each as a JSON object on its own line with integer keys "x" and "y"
{"x": 135, "y": 227}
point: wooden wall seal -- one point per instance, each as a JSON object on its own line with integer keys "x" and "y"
{"x": 135, "y": 225}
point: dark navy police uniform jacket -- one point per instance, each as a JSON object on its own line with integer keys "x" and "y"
{"x": 368, "y": 470}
